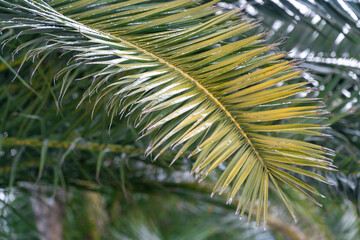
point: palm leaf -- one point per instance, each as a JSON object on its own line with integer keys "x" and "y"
{"x": 325, "y": 32}
{"x": 173, "y": 68}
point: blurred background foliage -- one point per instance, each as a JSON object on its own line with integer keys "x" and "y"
{"x": 105, "y": 187}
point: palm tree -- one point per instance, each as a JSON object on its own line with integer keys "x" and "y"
{"x": 191, "y": 77}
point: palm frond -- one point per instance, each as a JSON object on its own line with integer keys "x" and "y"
{"x": 174, "y": 67}
{"x": 331, "y": 27}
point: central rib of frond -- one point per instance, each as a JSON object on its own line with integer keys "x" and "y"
{"x": 201, "y": 87}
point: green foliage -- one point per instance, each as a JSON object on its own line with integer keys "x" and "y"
{"x": 144, "y": 197}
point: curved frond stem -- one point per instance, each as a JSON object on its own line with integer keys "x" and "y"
{"x": 90, "y": 146}
{"x": 201, "y": 87}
